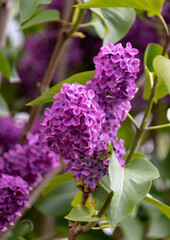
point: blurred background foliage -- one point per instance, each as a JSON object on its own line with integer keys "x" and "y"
{"x": 28, "y": 52}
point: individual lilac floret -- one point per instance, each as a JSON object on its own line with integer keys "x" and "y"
{"x": 115, "y": 71}
{"x": 13, "y": 196}
{"x": 9, "y": 133}
{"x": 90, "y": 170}
{"x": 74, "y": 122}
{"x": 29, "y": 161}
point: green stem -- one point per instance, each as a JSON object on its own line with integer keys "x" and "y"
{"x": 76, "y": 24}
{"x": 164, "y": 24}
{"x": 158, "y": 127}
{"x": 133, "y": 121}
{"x": 86, "y": 25}
{"x": 103, "y": 186}
{"x": 65, "y": 22}
{"x": 144, "y": 122}
{"x": 141, "y": 129}
{"x": 89, "y": 225}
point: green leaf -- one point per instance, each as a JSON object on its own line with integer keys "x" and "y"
{"x": 165, "y": 209}
{"x": 132, "y": 228}
{"x": 42, "y": 17}
{"x": 136, "y": 155}
{"x": 151, "y": 52}
{"x": 77, "y": 199}
{"x": 27, "y": 9}
{"x": 118, "y": 21}
{"x": 98, "y": 25}
{"x": 56, "y": 181}
{"x": 58, "y": 202}
{"x": 159, "y": 228}
{"x": 4, "y": 66}
{"x": 162, "y": 69}
{"x": 130, "y": 185}
{"x": 80, "y": 213}
{"x": 4, "y": 110}
{"x": 153, "y": 6}
{"x": 14, "y": 77}
{"x": 81, "y": 78}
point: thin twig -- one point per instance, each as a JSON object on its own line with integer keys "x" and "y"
{"x": 158, "y": 127}
{"x": 133, "y": 121}
{"x": 75, "y": 228}
{"x": 5, "y": 8}
{"x": 64, "y": 35}
{"x": 141, "y": 129}
{"x": 89, "y": 225}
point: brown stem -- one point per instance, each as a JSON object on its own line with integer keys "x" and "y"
{"x": 89, "y": 225}
{"x": 64, "y": 35}
{"x": 5, "y": 8}
{"x": 75, "y": 228}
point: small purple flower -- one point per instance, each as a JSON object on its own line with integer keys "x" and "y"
{"x": 13, "y": 196}
{"x": 29, "y": 161}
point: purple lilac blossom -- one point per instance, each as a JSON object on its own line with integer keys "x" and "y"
{"x": 84, "y": 119}
{"x": 74, "y": 122}
{"x": 9, "y": 133}
{"x": 116, "y": 70}
{"x": 89, "y": 169}
{"x": 114, "y": 85}
{"x": 29, "y": 161}
{"x": 13, "y": 196}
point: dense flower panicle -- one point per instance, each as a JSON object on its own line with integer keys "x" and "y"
{"x": 74, "y": 122}
{"x": 9, "y": 133}
{"x": 114, "y": 85}
{"x": 84, "y": 119}
{"x": 115, "y": 71}
{"x": 29, "y": 161}
{"x": 13, "y": 196}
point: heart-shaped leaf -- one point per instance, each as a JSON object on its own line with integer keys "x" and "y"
{"x": 117, "y": 22}
{"x": 130, "y": 185}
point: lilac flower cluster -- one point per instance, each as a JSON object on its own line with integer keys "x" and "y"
{"x": 29, "y": 161}
{"x": 114, "y": 85}
{"x": 115, "y": 72}
{"x": 9, "y": 133}
{"x": 13, "y": 196}
{"x": 84, "y": 119}
{"x": 74, "y": 122}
